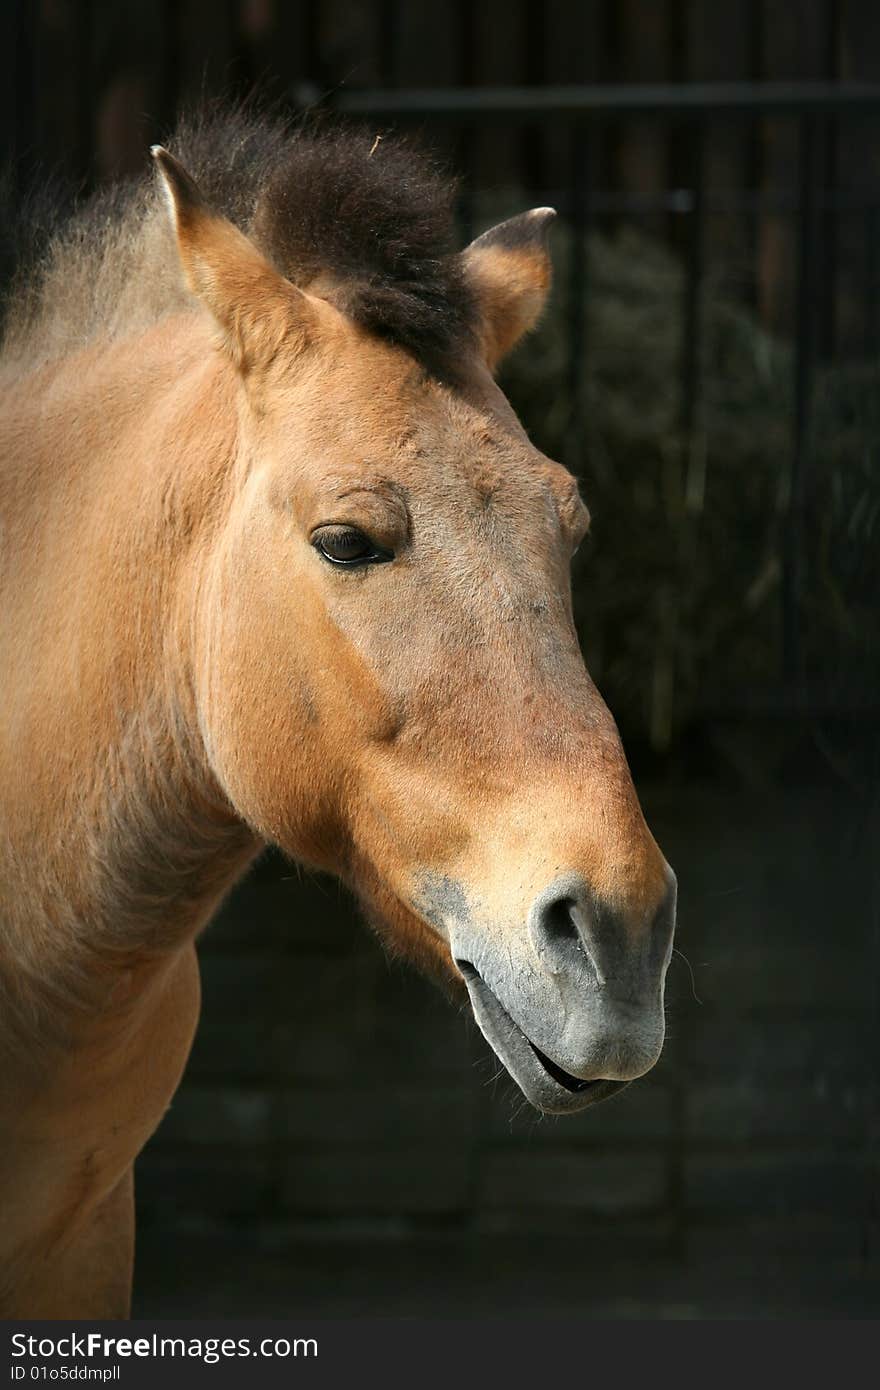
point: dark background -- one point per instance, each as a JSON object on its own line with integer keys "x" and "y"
{"x": 709, "y": 367}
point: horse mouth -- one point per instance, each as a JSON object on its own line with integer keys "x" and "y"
{"x": 542, "y": 1081}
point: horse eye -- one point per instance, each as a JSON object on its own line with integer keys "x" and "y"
{"x": 345, "y": 545}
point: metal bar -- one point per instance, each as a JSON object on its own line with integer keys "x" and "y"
{"x": 677, "y": 41}
{"x": 240, "y": 66}
{"x": 793, "y": 560}
{"x": 677, "y": 134}
{"x": 872, "y": 278}
{"x": 313, "y": 50}
{"x": 534, "y": 70}
{"x": 609, "y": 143}
{"x": 389, "y": 34}
{"x": 755, "y": 142}
{"x": 87, "y": 95}
{"x": 696, "y": 98}
{"x": 691, "y": 346}
{"x": 466, "y": 35}
{"x": 872, "y": 1136}
{"x": 24, "y": 26}
{"x": 684, "y": 163}
{"x": 726, "y": 203}
{"x": 828, "y": 249}
{"x": 578, "y": 289}
{"x": 171, "y": 67}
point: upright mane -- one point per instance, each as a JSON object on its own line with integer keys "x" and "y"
{"x": 368, "y": 222}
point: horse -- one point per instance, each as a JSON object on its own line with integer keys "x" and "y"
{"x": 280, "y": 566}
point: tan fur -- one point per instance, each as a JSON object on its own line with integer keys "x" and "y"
{"x": 186, "y": 679}
{"x": 511, "y": 287}
{"x": 259, "y": 312}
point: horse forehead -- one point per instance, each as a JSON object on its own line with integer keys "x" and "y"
{"x": 439, "y": 445}
{"x": 489, "y": 455}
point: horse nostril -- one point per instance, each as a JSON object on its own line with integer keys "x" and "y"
{"x": 560, "y": 924}
{"x": 558, "y": 920}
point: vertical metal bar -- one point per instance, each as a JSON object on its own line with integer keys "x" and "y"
{"x": 694, "y": 244}
{"x": 609, "y": 133}
{"x": 240, "y": 58}
{"x": 684, "y": 162}
{"x": 693, "y": 287}
{"x": 872, "y": 288}
{"x": 828, "y": 323}
{"x": 535, "y": 72}
{"x": 467, "y": 53}
{"x": 677, "y": 41}
{"x": 86, "y": 100}
{"x": 677, "y": 137}
{"x": 389, "y": 42}
{"x": 580, "y": 176}
{"x": 688, "y": 498}
{"x": 312, "y": 40}
{"x": 170, "y": 76}
{"x": 24, "y": 80}
{"x": 684, "y": 472}
{"x": 755, "y": 138}
{"x": 871, "y": 1235}
{"x": 804, "y": 358}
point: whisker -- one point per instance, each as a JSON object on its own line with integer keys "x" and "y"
{"x": 682, "y": 956}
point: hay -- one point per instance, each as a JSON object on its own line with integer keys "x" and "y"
{"x": 679, "y": 594}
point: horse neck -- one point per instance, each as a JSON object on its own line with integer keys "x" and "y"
{"x": 120, "y": 841}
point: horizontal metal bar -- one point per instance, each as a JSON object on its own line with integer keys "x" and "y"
{"x": 697, "y": 99}
{"x": 723, "y": 203}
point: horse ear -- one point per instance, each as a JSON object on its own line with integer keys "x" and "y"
{"x": 255, "y": 306}
{"x": 510, "y": 271}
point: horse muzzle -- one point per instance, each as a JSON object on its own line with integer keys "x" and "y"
{"x": 573, "y": 1007}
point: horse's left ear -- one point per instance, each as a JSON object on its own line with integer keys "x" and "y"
{"x": 509, "y": 270}
{"x": 256, "y": 308}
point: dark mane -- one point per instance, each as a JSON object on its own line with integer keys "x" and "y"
{"x": 370, "y": 220}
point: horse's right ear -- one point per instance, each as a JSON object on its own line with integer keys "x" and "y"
{"x": 509, "y": 271}
{"x": 257, "y": 309}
